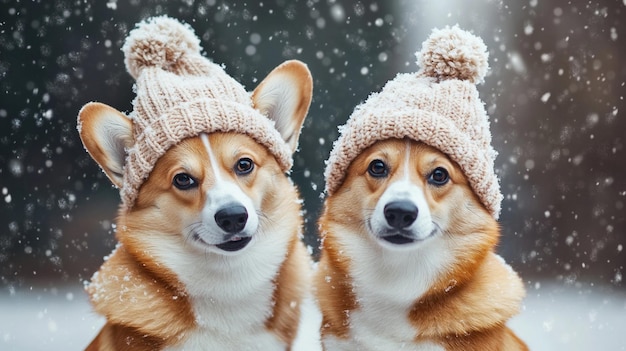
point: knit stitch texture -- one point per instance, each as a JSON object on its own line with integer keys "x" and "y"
{"x": 181, "y": 94}
{"x": 439, "y": 106}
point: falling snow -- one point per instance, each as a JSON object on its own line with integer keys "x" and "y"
{"x": 555, "y": 95}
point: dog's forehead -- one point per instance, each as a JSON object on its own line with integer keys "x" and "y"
{"x": 195, "y": 147}
{"x": 235, "y": 144}
{"x": 189, "y": 154}
{"x": 220, "y": 151}
{"x": 388, "y": 147}
{"x": 397, "y": 149}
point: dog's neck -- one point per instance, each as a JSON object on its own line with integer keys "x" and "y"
{"x": 189, "y": 290}
{"x": 412, "y": 294}
{"x": 488, "y": 299}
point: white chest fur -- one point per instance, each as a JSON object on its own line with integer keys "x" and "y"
{"x": 374, "y": 343}
{"x": 205, "y": 340}
{"x": 231, "y": 296}
{"x": 387, "y": 283}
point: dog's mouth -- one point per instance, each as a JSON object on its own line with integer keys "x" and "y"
{"x": 398, "y": 239}
{"x": 404, "y": 237}
{"x": 236, "y": 243}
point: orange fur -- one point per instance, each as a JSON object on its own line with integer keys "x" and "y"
{"x": 291, "y": 286}
{"x": 142, "y": 310}
{"x": 467, "y": 305}
{"x": 334, "y": 290}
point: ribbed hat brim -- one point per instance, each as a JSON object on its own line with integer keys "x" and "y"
{"x": 190, "y": 119}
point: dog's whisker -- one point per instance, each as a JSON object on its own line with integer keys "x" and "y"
{"x": 265, "y": 220}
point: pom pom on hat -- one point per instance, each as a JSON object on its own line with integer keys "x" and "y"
{"x": 180, "y": 94}
{"x": 159, "y": 42}
{"x": 452, "y": 53}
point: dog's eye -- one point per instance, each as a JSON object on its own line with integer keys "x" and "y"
{"x": 184, "y": 181}
{"x": 439, "y": 176}
{"x": 244, "y": 166}
{"x": 378, "y": 169}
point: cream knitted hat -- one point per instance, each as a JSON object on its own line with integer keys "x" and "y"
{"x": 438, "y": 105}
{"x": 181, "y": 94}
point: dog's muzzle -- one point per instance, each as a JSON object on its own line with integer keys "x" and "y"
{"x": 232, "y": 219}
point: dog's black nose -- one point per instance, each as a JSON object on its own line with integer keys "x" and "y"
{"x": 400, "y": 214}
{"x": 232, "y": 218}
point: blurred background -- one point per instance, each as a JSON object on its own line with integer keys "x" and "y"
{"x": 555, "y": 96}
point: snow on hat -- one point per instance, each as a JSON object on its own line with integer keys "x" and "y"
{"x": 438, "y": 105}
{"x": 181, "y": 94}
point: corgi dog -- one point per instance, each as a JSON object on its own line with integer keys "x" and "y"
{"x": 210, "y": 255}
{"x": 407, "y": 260}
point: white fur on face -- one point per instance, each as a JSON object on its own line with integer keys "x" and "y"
{"x": 403, "y": 190}
{"x": 222, "y": 193}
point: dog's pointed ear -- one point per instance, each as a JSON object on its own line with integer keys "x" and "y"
{"x": 106, "y": 134}
{"x": 284, "y": 96}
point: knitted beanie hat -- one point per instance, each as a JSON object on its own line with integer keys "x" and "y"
{"x": 181, "y": 94}
{"x": 438, "y": 105}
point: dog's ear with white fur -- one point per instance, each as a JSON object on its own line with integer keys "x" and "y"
{"x": 284, "y": 96}
{"x": 106, "y": 134}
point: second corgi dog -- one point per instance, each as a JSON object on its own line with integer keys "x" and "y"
{"x": 409, "y": 226}
{"x": 408, "y": 261}
{"x": 210, "y": 254}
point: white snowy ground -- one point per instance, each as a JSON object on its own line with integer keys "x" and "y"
{"x": 554, "y": 318}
